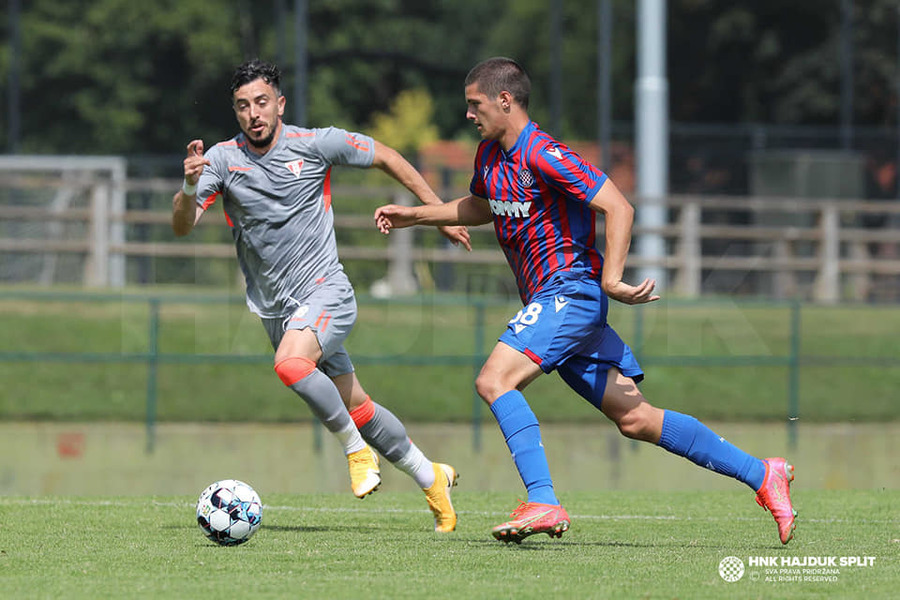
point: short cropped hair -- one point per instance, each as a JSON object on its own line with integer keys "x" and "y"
{"x": 500, "y": 74}
{"x": 253, "y": 70}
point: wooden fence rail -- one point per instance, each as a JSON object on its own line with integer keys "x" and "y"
{"x": 819, "y": 249}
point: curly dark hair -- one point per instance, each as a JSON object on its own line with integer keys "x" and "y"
{"x": 253, "y": 70}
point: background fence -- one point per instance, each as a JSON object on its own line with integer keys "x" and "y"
{"x": 768, "y": 355}
{"x": 761, "y": 320}
{"x": 64, "y": 220}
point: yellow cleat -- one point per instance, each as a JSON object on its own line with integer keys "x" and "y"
{"x": 438, "y": 496}
{"x": 365, "y": 477}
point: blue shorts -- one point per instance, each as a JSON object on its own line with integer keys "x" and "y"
{"x": 564, "y": 328}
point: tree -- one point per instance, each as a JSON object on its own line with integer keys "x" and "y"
{"x": 408, "y": 125}
{"x": 363, "y": 53}
{"x": 112, "y": 76}
{"x": 775, "y": 62}
{"x": 118, "y": 76}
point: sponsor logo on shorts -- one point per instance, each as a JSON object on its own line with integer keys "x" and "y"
{"x": 561, "y": 302}
{"x": 300, "y": 313}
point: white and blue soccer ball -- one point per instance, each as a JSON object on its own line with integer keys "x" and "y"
{"x": 229, "y": 512}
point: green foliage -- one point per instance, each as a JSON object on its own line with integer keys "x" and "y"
{"x": 116, "y": 76}
{"x": 771, "y": 61}
{"x": 621, "y": 545}
{"x": 363, "y": 53}
{"x": 408, "y": 124}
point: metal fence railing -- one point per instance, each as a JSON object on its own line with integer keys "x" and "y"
{"x": 788, "y": 355}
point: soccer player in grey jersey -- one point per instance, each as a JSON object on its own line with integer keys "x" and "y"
{"x": 274, "y": 183}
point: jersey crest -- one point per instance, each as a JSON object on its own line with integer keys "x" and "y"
{"x": 294, "y": 166}
{"x": 526, "y": 178}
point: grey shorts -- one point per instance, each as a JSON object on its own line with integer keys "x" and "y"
{"x": 330, "y": 312}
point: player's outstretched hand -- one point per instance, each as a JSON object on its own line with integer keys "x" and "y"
{"x": 458, "y": 234}
{"x": 631, "y": 294}
{"x": 394, "y": 216}
{"x": 195, "y": 161}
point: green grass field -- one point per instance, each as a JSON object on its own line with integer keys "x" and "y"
{"x": 621, "y": 545}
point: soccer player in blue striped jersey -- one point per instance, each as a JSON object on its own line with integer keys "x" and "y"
{"x": 542, "y": 198}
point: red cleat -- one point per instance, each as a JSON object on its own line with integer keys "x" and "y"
{"x": 530, "y": 518}
{"x": 775, "y": 496}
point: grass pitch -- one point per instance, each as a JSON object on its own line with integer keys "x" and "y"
{"x": 621, "y": 545}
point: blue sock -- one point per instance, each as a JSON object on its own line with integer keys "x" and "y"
{"x": 523, "y": 436}
{"x": 686, "y": 436}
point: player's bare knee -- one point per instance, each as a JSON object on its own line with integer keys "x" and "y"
{"x": 629, "y": 425}
{"x": 639, "y": 423}
{"x": 484, "y": 386}
{"x": 488, "y": 388}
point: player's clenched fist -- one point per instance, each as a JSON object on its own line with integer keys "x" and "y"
{"x": 194, "y": 162}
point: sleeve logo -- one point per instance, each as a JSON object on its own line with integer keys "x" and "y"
{"x": 356, "y": 143}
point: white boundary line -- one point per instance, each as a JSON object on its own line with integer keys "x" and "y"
{"x": 379, "y": 510}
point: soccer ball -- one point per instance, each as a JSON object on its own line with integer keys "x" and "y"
{"x": 229, "y": 512}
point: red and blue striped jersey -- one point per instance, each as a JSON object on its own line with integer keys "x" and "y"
{"x": 539, "y": 193}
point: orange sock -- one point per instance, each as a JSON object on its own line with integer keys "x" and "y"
{"x": 293, "y": 369}
{"x": 363, "y": 413}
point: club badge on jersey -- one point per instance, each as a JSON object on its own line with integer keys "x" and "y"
{"x": 295, "y": 166}
{"x": 526, "y": 178}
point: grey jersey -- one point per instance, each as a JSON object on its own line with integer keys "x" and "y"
{"x": 279, "y": 208}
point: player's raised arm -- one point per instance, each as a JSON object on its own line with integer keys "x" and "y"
{"x": 619, "y": 218}
{"x": 468, "y": 210}
{"x": 185, "y": 211}
{"x": 392, "y": 162}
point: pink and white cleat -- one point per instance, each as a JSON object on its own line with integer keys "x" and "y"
{"x": 530, "y": 518}
{"x": 775, "y": 496}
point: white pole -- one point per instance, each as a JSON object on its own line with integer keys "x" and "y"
{"x": 117, "y": 208}
{"x": 400, "y": 277}
{"x": 652, "y": 134}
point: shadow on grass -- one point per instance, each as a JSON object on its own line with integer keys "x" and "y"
{"x": 559, "y": 546}
{"x": 323, "y": 529}
{"x": 300, "y": 528}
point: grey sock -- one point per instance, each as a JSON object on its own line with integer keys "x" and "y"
{"x": 386, "y": 433}
{"x": 324, "y": 400}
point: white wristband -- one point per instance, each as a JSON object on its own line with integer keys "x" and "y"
{"x": 189, "y": 189}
